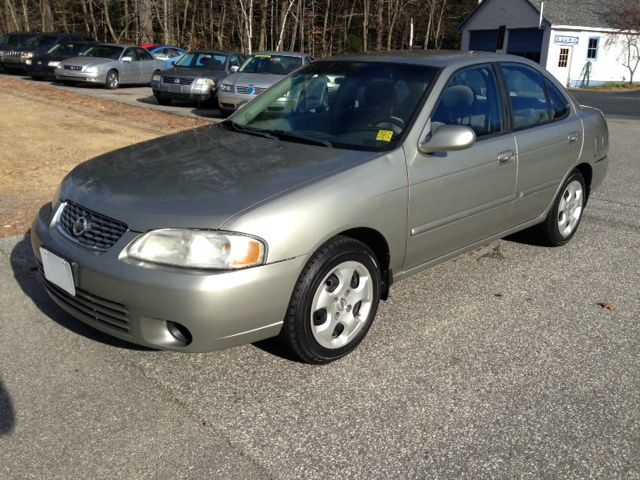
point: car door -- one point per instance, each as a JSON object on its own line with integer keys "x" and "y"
{"x": 548, "y": 135}
{"x": 129, "y": 71}
{"x": 147, "y": 65}
{"x": 458, "y": 198}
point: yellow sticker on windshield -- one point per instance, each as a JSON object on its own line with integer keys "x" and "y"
{"x": 384, "y": 135}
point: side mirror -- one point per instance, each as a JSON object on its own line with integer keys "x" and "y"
{"x": 448, "y": 137}
{"x": 234, "y": 69}
{"x": 127, "y": 59}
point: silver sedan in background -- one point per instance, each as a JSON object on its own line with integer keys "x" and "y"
{"x": 295, "y": 222}
{"x": 110, "y": 65}
{"x": 258, "y": 73}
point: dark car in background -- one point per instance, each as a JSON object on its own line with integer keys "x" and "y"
{"x": 11, "y": 44}
{"x": 20, "y": 58}
{"x": 196, "y": 76}
{"x": 44, "y": 66}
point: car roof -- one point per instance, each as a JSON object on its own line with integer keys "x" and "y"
{"x": 219, "y": 52}
{"x": 284, "y": 54}
{"x": 432, "y": 58}
{"x": 102, "y": 44}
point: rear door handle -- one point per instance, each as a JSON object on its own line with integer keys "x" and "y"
{"x": 506, "y": 157}
{"x": 573, "y": 137}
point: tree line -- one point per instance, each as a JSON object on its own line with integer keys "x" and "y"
{"x": 318, "y": 27}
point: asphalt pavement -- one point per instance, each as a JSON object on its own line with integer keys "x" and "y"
{"x": 511, "y": 361}
{"x": 134, "y": 95}
{"x": 614, "y": 104}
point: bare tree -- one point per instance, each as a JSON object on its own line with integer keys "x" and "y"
{"x": 625, "y": 18}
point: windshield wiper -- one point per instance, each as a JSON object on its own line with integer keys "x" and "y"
{"x": 283, "y": 134}
{"x": 249, "y": 130}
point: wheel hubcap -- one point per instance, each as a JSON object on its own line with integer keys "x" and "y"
{"x": 341, "y": 305}
{"x": 570, "y": 208}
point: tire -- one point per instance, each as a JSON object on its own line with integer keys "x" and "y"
{"x": 564, "y": 217}
{"x": 162, "y": 100}
{"x": 112, "y": 80}
{"x": 318, "y": 335}
{"x": 38, "y": 78}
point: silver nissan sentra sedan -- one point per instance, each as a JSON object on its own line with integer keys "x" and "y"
{"x": 295, "y": 222}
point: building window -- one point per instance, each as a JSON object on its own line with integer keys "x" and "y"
{"x": 592, "y": 49}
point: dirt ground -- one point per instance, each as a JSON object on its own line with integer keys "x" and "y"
{"x": 45, "y": 132}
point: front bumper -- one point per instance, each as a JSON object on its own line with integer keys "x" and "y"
{"x": 64, "y": 75}
{"x": 134, "y": 303}
{"x": 193, "y": 92}
{"x": 232, "y": 101}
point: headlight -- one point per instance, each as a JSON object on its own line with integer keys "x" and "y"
{"x": 53, "y": 64}
{"x": 25, "y": 56}
{"x": 155, "y": 77}
{"x": 198, "y": 249}
{"x": 205, "y": 81}
{"x": 225, "y": 87}
{"x": 90, "y": 69}
{"x": 27, "y": 61}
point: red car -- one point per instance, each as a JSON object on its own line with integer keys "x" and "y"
{"x": 149, "y": 46}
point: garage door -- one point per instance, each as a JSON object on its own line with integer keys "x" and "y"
{"x": 526, "y": 42}
{"x": 483, "y": 40}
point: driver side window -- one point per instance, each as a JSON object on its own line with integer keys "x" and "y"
{"x": 471, "y": 98}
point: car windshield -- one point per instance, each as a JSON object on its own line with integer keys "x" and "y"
{"x": 68, "y": 48}
{"x": 274, "y": 64}
{"x": 19, "y": 39}
{"x": 214, "y": 61}
{"x": 104, "y": 51}
{"x": 41, "y": 41}
{"x": 354, "y": 105}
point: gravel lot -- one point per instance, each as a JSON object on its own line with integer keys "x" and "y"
{"x": 502, "y": 363}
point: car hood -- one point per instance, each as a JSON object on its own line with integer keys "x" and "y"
{"x": 87, "y": 61}
{"x": 195, "y": 72}
{"x": 199, "y": 178}
{"x": 263, "y": 80}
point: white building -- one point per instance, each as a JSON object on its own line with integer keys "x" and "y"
{"x": 570, "y": 38}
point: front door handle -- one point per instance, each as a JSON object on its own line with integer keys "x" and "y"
{"x": 506, "y": 157}
{"x": 573, "y": 137}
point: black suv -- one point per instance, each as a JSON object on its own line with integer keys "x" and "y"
{"x": 12, "y": 41}
{"x": 17, "y": 57}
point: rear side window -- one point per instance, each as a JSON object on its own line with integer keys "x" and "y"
{"x": 471, "y": 98}
{"x": 527, "y": 95}
{"x": 558, "y": 102}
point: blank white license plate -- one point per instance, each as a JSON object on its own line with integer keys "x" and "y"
{"x": 58, "y": 271}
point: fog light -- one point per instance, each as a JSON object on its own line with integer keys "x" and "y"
{"x": 179, "y": 332}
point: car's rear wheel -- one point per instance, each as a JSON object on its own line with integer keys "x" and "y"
{"x": 334, "y": 301}
{"x": 564, "y": 217}
{"x": 112, "y": 80}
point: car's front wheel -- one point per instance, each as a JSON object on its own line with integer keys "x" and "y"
{"x": 161, "y": 100}
{"x": 334, "y": 301}
{"x": 564, "y": 217}
{"x": 112, "y": 80}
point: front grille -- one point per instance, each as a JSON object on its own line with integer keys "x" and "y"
{"x": 110, "y": 314}
{"x": 244, "y": 90}
{"x": 73, "y": 67}
{"x": 102, "y": 233}
{"x": 13, "y": 54}
{"x": 177, "y": 80}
